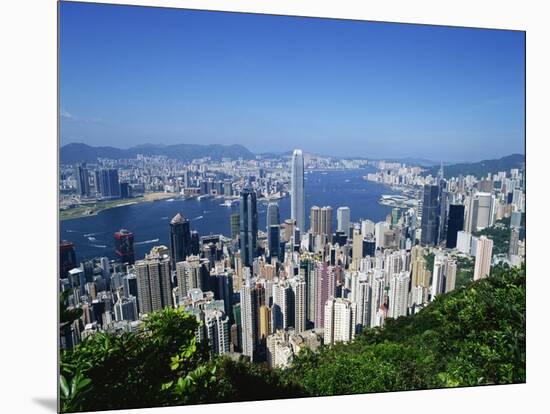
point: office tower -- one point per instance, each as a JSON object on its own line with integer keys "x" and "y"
{"x": 180, "y": 239}
{"x": 124, "y": 246}
{"x": 343, "y": 216}
{"x": 298, "y": 291}
{"x": 108, "y": 183}
{"x": 235, "y": 225}
{"x": 315, "y": 220}
{"x": 379, "y": 230}
{"x": 126, "y": 309}
{"x": 357, "y": 248}
{"x": 77, "y": 278}
{"x": 82, "y": 180}
{"x": 450, "y": 278}
{"x": 455, "y": 224}
{"x": 367, "y": 227}
{"x": 153, "y": 280}
{"x": 216, "y": 324}
{"x": 326, "y": 221}
{"x": 249, "y": 320}
{"x": 484, "y": 255}
{"x": 124, "y": 190}
{"x": 273, "y": 217}
{"x": 340, "y": 320}
{"x": 274, "y": 241}
{"x": 297, "y": 198}
{"x": 308, "y": 275}
{"x": 442, "y": 213}
{"x": 222, "y": 284}
{"x": 430, "y": 214}
{"x": 248, "y": 226}
{"x": 480, "y": 212}
{"x": 395, "y": 215}
{"x": 399, "y": 294}
{"x": 369, "y": 246}
{"x": 67, "y": 258}
{"x": 130, "y": 287}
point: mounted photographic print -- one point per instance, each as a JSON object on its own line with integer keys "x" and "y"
{"x": 257, "y": 207}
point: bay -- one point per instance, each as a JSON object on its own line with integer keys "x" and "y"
{"x": 93, "y": 235}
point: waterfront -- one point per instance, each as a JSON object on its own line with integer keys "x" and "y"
{"x": 93, "y": 235}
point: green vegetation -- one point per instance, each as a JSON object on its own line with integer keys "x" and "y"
{"x": 499, "y": 233}
{"x": 465, "y": 271}
{"x": 471, "y": 336}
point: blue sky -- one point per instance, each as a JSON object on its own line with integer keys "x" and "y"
{"x": 135, "y": 75}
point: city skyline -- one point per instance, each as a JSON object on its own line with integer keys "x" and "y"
{"x": 371, "y": 89}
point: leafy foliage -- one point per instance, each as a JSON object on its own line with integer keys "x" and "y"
{"x": 473, "y": 335}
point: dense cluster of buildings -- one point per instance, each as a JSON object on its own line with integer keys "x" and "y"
{"x": 267, "y": 293}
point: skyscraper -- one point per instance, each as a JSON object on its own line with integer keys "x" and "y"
{"x": 274, "y": 241}
{"x": 343, "y": 216}
{"x": 430, "y": 213}
{"x": 82, "y": 180}
{"x": 273, "y": 217}
{"x": 455, "y": 224}
{"x": 315, "y": 220}
{"x": 235, "y": 223}
{"x": 248, "y": 226}
{"x": 216, "y": 325}
{"x": 340, "y": 320}
{"x": 484, "y": 255}
{"x": 326, "y": 221}
{"x": 124, "y": 246}
{"x": 153, "y": 280}
{"x": 249, "y": 318}
{"x": 297, "y": 199}
{"x": 180, "y": 239}
{"x": 399, "y": 294}
{"x": 109, "y": 183}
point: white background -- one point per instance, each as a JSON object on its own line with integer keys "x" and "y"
{"x": 28, "y": 297}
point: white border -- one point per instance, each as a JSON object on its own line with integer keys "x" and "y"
{"x": 28, "y": 132}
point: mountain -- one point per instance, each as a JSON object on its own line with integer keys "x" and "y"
{"x": 481, "y": 168}
{"x": 78, "y": 152}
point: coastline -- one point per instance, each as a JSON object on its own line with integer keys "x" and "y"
{"x": 94, "y": 208}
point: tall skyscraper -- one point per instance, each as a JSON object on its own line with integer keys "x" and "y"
{"x": 180, "y": 239}
{"x": 455, "y": 224}
{"x": 315, "y": 220}
{"x": 248, "y": 226}
{"x": 298, "y": 290}
{"x": 153, "y": 280}
{"x": 216, "y": 325}
{"x": 484, "y": 256}
{"x": 297, "y": 198}
{"x": 82, "y": 180}
{"x": 399, "y": 294}
{"x": 249, "y": 318}
{"x": 109, "y": 183}
{"x": 124, "y": 246}
{"x": 235, "y": 225}
{"x": 274, "y": 241}
{"x": 343, "y": 216}
{"x": 340, "y": 320}
{"x": 326, "y": 221}
{"x": 273, "y": 217}
{"x": 430, "y": 214}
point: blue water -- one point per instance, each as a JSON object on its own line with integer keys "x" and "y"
{"x": 93, "y": 236}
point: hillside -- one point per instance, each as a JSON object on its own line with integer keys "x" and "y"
{"x": 481, "y": 168}
{"x": 77, "y": 152}
{"x": 471, "y": 336}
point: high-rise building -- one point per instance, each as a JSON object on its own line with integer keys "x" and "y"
{"x": 340, "y": 320}
{"x": 444, "y": 275}
{"x": 298, "y": 290}
{"x": 281, "y": 310}
{"x": 455, "y": 224}
{"x": 126, "y": 309}
{"x": 82, "y": 180}
{"x": 399, "y": 294}
{"x": 326, "y": 221}
{"x": 109, "y": 183}
{"x": 480, "y": 212}
{"x": 249, "y": 317}
{"x": 67, "y": 258}
{"x": 343, "y": 217}
{"x": 484, "y": 255}
{"x": 124, "y": 246}
{"x": 430, "y": 214}
{"x": 274, "y": 241}
{"x": 297, "y": 198}
{"x": 315, "y": 220}
{"x": 153, "y": 280}
{"x": 273, "y": 217}
{"x": 235, "y": 225}
{"x": 513, "y": 248}
{"x": 248, "y": 226}
{"x": 216, "y": 325}
{"x": 180, "y": 239}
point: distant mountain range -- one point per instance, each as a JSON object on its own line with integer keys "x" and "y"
{"x": 481, "y": 168}
{"x": 77, "y": 152}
